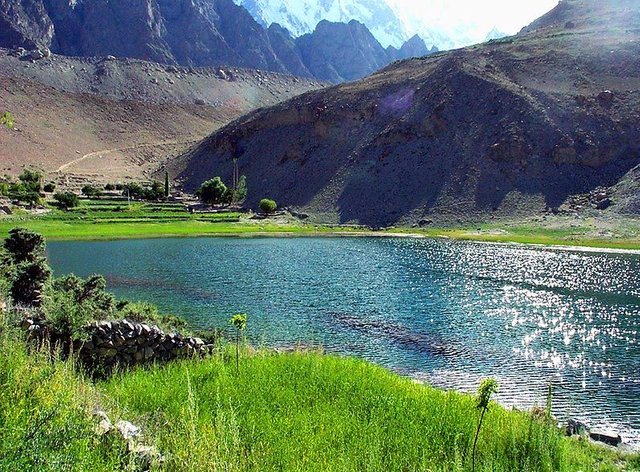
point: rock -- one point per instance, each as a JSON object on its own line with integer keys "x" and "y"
{"x": 6, "y": 210}
{"x": 127, "y": 430}
{"x": 36, "y": 55}
{"x": 606, "y": 97}
{"x": 110, "y": 58}
{"x": 576, "y": 427}
{"x": 425, "y": 222}
{"x": 104, "y": 427}
{"x": 146, "y": 457}
{"x": 148, "y": 353}
{"x": 607, "y": 437}
{"x": 604, "y": 204}
{"x": 200, "y": 102}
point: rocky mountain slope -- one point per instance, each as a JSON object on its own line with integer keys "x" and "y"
{"x": 97, "y": 119}
{"x": 193, "y": 33}
{"x": 544, "y": 121}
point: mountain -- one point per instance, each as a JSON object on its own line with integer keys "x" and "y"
{"x": 301, "y": 17}
{"x": 494, "y": 34}
{"x": 339, "y": 52}
{"x": 543, "y": 121}
{"x": 194, "y": 33}
{"x": 106, "y": 120}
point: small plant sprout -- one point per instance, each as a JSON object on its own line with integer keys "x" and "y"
{"x": 7, "y": 120}
{"x": 239, "y": 322}
{"x": 487, "y": 388}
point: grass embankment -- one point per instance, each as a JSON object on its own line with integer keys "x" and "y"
{"x": 291, "y": 412}
{"x": 106, "y": 219}
{"x": 311, "y": 412}
{"x": 557, "y": 231}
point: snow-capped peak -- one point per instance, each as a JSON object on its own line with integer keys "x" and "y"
{"x": 302, "y": 16}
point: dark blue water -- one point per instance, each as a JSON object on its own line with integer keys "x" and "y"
{"x": 449, "y": 313}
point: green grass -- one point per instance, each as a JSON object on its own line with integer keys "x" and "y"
{"x": 311, "y": 412}
{"x": 45, "y": 420}
{"x": 108, "y": 219}
{"x": 558, "y": 233}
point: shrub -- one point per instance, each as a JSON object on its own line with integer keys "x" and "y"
{"x": 213, "y": 191}
{"x": 29, "y": 270}
{"x": 7, "y": 120}
{"x": 268, "y": 206}
{"x": 91, "y": 191}
{"x": 66, "y": 200}
{"x": 49, "y": 187}
{"x": 110, "y": 187}
{"x": 142, "y": 312}
{"x": 23, "y": 245}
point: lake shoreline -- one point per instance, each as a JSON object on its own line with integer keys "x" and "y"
{"x": 574, "y": 246}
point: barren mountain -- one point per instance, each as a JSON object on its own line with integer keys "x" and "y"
{"x": 543, "y": 121}
{"x": 108, "y": 120}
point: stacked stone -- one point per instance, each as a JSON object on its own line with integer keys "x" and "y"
{"x": 126, "y": 343}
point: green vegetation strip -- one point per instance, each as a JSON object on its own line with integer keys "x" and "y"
{"x": 116, "y": 219}
{"x": 314, "y": 412}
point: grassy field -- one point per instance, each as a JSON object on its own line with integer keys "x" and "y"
{"x": 311, "y": 412}
{"x": 104, "y": 219}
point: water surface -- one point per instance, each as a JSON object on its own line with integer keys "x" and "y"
{"x": 449, "y": 313}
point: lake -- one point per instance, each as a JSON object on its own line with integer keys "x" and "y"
{"x": 448, "y": 313}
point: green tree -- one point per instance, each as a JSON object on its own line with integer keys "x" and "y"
{"x": 213, "y": 191}
{"x": 268, "y": 206}
{"x": 49, "y": 187}
{"x": 91, "y": 191}
{"x": 239, "y": 322}
{"x": 487, "y": 388}
{"x": 167, "y": 188}
{"x": 66, "y": 200}
{"x": 7, "y": 120}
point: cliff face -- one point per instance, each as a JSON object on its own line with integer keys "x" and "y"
{"x": 24, "y": 23}
{"x": 190, "y": 33}
{"x": 519, "y": 126}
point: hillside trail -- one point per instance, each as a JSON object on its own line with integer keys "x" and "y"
{"x": 105, "y": 152}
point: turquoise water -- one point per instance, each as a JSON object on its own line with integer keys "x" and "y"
{"x": 449, "y": 313}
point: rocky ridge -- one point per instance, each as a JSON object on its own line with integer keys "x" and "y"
{"x": 192, "y": 33}
{"x": 511, "y": 128}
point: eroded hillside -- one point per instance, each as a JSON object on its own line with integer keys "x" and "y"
{"x": 542, "y": 121}
{"x": 103, "y": 119}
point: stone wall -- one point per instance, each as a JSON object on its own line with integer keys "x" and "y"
{"x": 122, "y": 342}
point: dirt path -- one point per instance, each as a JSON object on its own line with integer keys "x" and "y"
{"x": 105, "y": 152}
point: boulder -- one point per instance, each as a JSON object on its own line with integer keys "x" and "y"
{"x": 128, "y": 430}
{"x": 576, "y": 427}
{"x": 607, "y": 437}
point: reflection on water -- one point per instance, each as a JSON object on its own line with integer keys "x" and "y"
{"x": 449, "y": 313}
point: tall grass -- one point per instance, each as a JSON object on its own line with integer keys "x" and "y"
{"x": 310, "y": 412}
{"x": 45, "y": 422}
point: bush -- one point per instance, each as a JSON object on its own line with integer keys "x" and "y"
{"x": 49, "y": 187}
{"x": 137, "y": 191}
{"x": 66, "y": 200}
{"x": 28, "y": 271}
{"x": 213, "y": 191}
{"x": 110, "y": 187}
{"x": 268, "y": 206}
{"x": 91, "y": 191}
{"x": 143, "y": 312}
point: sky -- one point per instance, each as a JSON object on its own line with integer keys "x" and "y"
{"x": 471, "y": 18}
